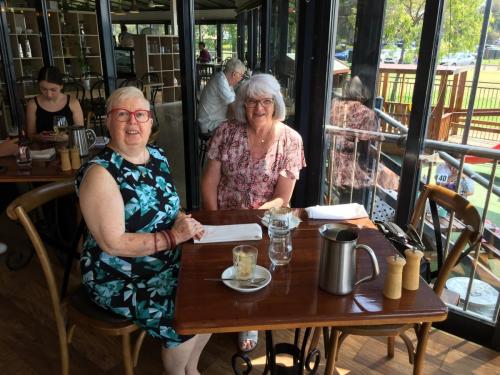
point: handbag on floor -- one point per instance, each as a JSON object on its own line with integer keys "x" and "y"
{"x": 406, "y": 240}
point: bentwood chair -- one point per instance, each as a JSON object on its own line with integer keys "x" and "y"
{"x": 76, "y": 310}
{"x": 471, "y": 235}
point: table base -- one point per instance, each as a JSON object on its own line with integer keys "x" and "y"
{"x": 301, "y": 359}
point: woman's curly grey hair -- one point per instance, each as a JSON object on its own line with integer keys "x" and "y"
{"x": 259, "y": 85}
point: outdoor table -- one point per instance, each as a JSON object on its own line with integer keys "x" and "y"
{"x": 293, "y": 298}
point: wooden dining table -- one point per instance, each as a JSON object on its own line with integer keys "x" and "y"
{"x": 292, "y": 299}
{"x": 40, "y": 171}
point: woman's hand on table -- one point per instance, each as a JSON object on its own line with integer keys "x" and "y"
{"x": 185, "y": 228}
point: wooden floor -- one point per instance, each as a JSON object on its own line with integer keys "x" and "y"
{"x": 28, "y": 342}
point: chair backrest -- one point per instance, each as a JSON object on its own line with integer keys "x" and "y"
{"x": 463, "y": 211}
{"x": 98, "y": 98}
{"x": 133, "y": 82}
{"x": 19, "y": 210}
{"x": 75, "y": 89}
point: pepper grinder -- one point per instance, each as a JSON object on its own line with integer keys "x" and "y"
{"x": 411, "y": 271}
{"x": 65, "y": 162}
{"x": 394, "y": 277}
{"x": 74, "y": 153}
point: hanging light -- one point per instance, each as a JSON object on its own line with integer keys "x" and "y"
{"x": 134, "y": 8}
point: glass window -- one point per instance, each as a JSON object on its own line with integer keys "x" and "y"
{"x": 283, "y": 39}
{"x": 229, "y": 41}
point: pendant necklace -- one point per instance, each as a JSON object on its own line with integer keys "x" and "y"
{"x": 263, "y": 140}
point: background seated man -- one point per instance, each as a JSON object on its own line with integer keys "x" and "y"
{"x": 446, "y": 175}
{"x": 204, "y": 56}
{"x": 218, "y": 94}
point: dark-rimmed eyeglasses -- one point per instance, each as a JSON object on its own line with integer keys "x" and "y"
{"x": 123, "y": 115}
{"x": 252, "y": 103}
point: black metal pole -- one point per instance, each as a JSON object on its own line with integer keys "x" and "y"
{"x": 313, "y": 80}
{"x": 240, "y": 30}
{"x": 107, "y": 45}
{"x": 265, "y": 36}
{"x": 14, "y": 95}
{"x": 185, "y": 17}
{"x": 421, "y": 105}
{"x": 367, "y": 43}
{"x": 250, "y": 39}
{"x": 43, "y": 25}
{"x": 219, "y": 41}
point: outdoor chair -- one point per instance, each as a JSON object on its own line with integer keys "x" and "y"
{"x": 132, "y": 82}
{"x": 80, "y": 310}
{"x": 470, "y": 235}
{"x": 98, "y": 104}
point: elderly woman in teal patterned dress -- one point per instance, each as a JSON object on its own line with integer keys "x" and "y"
{"x": 130, "y": 258}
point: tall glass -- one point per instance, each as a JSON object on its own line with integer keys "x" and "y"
{"x": 60, "y": 124}
{"x": 280, "y": 239}
{"x": 244, "y": 261}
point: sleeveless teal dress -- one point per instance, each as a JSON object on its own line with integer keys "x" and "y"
{"x": 140, "y": 288}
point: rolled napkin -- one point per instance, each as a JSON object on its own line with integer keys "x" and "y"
{"x": 47, "y": 154}
{"x": 228, "y": 233}
{"x": 337, "y": 212}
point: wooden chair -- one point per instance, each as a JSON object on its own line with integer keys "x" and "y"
{"x": 80, "y": 310}
{"x": 471, "y": 235}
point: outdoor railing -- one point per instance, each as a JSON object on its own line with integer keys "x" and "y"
{"x": 477, "y": 261}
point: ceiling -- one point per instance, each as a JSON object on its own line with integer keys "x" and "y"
{"x": 151, "y": 5}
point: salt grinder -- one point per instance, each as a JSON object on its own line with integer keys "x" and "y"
{"x": 411, "y": 271}
{"x": 65, "y": 162}
{"x": 75, "y": 157}
{"x": 394, "y": 276}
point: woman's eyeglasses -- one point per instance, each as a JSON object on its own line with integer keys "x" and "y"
{"x": 123, "y": 115}
{"x": 252, "y": 103}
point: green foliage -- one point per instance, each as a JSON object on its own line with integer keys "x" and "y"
{"x": 461, "y": 24}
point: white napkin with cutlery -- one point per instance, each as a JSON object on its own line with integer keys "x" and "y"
{"x": 47, "y": 154}
{"x": 337, "y": 212}
{"x": 227, "y": 233}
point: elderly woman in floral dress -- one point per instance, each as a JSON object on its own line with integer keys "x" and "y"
{"x": 253, "y": 160}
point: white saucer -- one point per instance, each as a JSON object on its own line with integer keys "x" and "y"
{"x": 234, "y": 284}
{"x": 294, "y": 221}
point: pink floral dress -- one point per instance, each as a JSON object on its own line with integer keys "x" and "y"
{"x": 247, "y": 182}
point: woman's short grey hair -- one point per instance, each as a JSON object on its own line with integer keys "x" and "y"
{"x": 125, "y": 93}
{"x": 259, "y": 85}
{"x": 234, "y": 65}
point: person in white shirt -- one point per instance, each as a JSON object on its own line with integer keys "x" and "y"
{"x": 218, "y": 94}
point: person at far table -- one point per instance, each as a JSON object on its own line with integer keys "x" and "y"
{"x": 130, "y": 258}
{"x": 204, "y": 56}
{"x": 253, "y": 160}
{"x": 218, "y": 94}
{"x": 125, "y": 39}
{"x": 42, "y": 109}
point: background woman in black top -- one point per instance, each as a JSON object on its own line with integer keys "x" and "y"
{"x": 42, "y": 109}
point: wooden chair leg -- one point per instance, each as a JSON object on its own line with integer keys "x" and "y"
{"x": 342, "y": 338}
{"x": 137, "y": 347}
{"x": 390, "y": 346}
{"x": 409, "y": 347}
{"x": 127, "y": 355}
{"x": 418, "y": 367}
{"x": 332, "y": 352}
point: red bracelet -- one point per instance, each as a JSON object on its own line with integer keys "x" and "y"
{"x": 173, "y": 243}
{"x": 156, "y": 246}
{"x": 167, "y": 240}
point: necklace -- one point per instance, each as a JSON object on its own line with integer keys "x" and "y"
{"x": 266, "y": 136}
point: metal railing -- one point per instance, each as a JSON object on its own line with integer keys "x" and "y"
{"x": 491, "y": 240}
